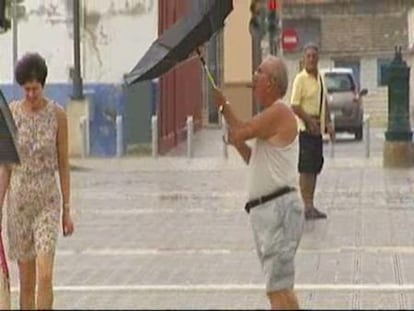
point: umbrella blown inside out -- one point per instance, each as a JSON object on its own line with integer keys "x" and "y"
{"x": 177, "y": 43}
{"x": 8, "y": 133}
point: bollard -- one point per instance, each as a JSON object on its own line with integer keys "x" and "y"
{"x": 84, "y": 127}
{"x": 119, "y": 136}
{"x": 225, "y": 137}
{"x": 332, "y": 143}
{"x": 190, "y": 131}
{"x": 88, "y": 137}
{"x": 154, "y": 133}
{"x": 367, "y": 135}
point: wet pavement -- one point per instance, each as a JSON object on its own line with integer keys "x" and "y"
{"x": 171, "y": 233}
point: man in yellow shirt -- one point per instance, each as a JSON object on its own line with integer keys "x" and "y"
{"x": 309, "y": 104}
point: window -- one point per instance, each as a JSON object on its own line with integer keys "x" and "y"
{"x": 382, "y": 65}
{"x": 339, "y": 82}
{"x": 353, "y": 64}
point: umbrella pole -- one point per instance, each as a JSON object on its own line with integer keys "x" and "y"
{"x": 209, "y": 75}
{"x": 223, "y": 120}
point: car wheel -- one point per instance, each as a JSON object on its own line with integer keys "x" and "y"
{"x": 359, "y": 134}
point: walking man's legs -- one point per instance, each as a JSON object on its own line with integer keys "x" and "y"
{"x": 310, "y": 165}
{"x": 307, "y": 183}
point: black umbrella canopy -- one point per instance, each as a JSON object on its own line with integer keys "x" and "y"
{"x": 179, "y": 41}
{"x": 8, "y": 150}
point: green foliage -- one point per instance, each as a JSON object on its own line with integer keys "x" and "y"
{"x": 6, "y": 14}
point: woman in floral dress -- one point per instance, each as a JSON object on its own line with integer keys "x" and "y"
{"x": 5, "y": 302}
{"x": 36, "y": 202}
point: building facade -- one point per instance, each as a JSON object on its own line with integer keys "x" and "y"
{"x": 114, "y": 36}
{"x": 359, "y": 34}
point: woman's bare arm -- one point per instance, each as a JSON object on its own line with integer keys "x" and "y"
{"x": 63, "y": 157}
{"x": 5, "y": 173}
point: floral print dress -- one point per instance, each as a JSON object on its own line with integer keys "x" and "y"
{"x": 33, "y": 199}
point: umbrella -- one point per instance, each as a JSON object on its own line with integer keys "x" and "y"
{"x": 179, "y": 41}
{"x": 8, "y": 150}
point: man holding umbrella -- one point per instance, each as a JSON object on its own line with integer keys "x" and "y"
{"x": 275, "y": 209}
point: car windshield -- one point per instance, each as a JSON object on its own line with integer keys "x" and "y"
{"x": 339, "y": 82}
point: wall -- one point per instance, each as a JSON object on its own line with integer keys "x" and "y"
{"x": 107, "y": 101}
{"x": 138, "y": 133}
{"x": 109, "y": 28}
{"x": 372, "y": 33}
{"x": 238, "y": 59}
{"x": 114, "y": 36}
{"x": 181, "y": 89}
{"x": 237, "y": 48}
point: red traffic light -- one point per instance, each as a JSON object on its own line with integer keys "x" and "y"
{"x": 272, "y": 5}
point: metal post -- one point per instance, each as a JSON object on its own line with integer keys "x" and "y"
{"x": 190, "y": 130}
{"x": 225, "y": 137}
{"x": 332, "y": 143}
{"x": 87, "y": 137}
{"x": 367, "y": 135}
{"x": 154, "y": 131}
{"x": 256, "y": 30}
{"x": 15, "y": 43}
{"x": 280, "y": 28}
{"x": 77, "y": 79}
{"x": 83, "y": 126}
{"x": 119, "y": 136}
{"x": 272, "y": 25}
{"x": 256, "y": 60}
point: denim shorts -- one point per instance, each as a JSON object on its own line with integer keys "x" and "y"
{"x": 277, "y": 229}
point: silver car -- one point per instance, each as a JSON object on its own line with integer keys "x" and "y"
{"x": 345, "y": 100}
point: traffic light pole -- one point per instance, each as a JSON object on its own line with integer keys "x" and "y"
{"x": 77, "y": 78}
{"x": 15, "y": 42}
{"x": 272, "y": 45}
{"x": 272, "y": 29}
{"x": 256, "y": 60}
{"x": 256, "y": 33}
{"x": 280, "y": 27}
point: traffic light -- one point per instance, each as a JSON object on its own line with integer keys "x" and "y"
{"x": 272, "y": 21}
{"x": 272, "y": 5}
{"x": 5, "y": 23}
{"x": 255, "y": 26}
{"x": 272, "y": 16}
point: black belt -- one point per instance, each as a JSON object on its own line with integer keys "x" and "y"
{"x": 253, "y": 203}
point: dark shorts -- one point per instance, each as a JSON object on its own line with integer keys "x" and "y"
{"x": 310, "y": 153}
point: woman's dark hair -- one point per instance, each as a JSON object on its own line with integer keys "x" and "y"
{"x": 31, "y": 67}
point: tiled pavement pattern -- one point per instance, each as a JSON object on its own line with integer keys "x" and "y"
{"x": 171, "y": 233}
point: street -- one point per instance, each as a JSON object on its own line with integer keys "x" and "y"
{"x": 171, "y": 233}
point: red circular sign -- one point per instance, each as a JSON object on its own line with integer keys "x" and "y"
{"x": 290, "y": 39}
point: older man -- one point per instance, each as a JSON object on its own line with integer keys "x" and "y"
{"x": 275, "y": 210}
{"x": 308, "y": 102}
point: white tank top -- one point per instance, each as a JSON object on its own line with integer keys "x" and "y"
{"x": 271, "y": 168}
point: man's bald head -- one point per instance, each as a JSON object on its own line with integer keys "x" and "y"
{"x": 275, "y": 67}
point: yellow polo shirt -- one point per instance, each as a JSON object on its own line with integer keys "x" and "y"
{"x": 306, "y": 92}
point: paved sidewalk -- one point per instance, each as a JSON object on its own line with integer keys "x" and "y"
{"x": 170, "y": 233}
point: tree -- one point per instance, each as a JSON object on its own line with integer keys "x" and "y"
{"x": 6, "y": 7}
{"x": 5, "y": 23}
